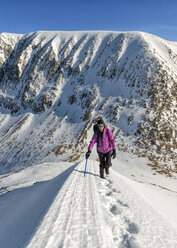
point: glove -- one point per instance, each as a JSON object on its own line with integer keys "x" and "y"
{"x": 113, "y": 155}
{"x": 87, "y": 155}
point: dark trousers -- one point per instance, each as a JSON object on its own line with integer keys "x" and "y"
{"x": 105, "y": 159}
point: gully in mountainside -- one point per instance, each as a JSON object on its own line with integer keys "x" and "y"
{"x": 105, "y": 146}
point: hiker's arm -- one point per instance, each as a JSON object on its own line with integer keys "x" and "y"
{"x": 92, "y": 142}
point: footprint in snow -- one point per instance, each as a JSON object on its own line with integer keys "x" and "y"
{"x": 109, "y": 193}
{"x": 109, "y": 183}
{"x": 128, "y": 242}
{"x": 110, "y": 186}
{"x": 122, "y": 204}
{"x": 132, "y": 228}
{"x": 115, "y": 190}
{"x": 114, "y": 210}
{"x": 112, "y": 191}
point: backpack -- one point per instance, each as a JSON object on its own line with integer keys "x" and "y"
{"x": 95, "y": 129}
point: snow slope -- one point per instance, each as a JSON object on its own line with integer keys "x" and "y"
{"x": 51, "y": 82}
{"x": 54, "y": 205}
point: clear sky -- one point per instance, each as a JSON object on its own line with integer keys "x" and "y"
{"x": 157, "y": 17}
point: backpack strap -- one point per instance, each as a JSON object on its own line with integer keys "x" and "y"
{"x": 108, "y": 136}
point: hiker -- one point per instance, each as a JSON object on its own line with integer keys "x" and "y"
{"x": 105, "y": 146}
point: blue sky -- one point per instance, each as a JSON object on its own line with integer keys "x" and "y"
{"x": 157, "y": 17}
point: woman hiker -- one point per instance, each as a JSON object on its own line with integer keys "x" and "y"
{"x": 105, "y": 146}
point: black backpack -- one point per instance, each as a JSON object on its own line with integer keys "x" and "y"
{"x": 95, "y": 129}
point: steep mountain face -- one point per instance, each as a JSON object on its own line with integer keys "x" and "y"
{"x": 53, "y": 85}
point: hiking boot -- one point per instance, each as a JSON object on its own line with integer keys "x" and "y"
{"x": 102, "y": 173}
{"x": 107, "y": 171}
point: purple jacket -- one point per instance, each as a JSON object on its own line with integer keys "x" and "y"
{"x": 105, "y": 144}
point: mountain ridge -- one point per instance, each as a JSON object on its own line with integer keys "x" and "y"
{"x": 70, "y": 78}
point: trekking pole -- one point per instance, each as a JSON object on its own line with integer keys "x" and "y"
{"x": 85, "y": 167}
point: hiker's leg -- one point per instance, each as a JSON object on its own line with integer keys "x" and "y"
{"x": 107, "y": 171}
{"x": 108, "y": 161}
{"x": 102, "y": 173}
{"x": 102, "y": 164}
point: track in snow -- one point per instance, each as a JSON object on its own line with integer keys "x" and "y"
{"x": 75, "y": 218}
{"x": 83, "y": 215}
{"x": 84, "y": 212}
{"x": 89, "y": 212}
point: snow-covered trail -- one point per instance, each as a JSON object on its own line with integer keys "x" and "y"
{"x": 90, "y": 212}
{"x": 71, "y": 210}
{"x": 76, "y": 218}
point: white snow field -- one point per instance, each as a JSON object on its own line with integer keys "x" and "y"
{"x": 53, "y": 205}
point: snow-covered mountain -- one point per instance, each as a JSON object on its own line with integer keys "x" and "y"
{"x": 53, "y": 85}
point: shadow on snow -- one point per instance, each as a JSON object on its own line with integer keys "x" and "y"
{"x": 22, "y": 210}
